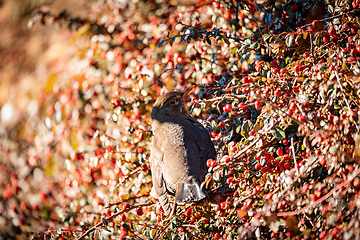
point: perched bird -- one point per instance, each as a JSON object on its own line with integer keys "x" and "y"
{"x": 179, "y": 151}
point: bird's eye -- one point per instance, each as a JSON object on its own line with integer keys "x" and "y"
{"x": 172, "y": 102}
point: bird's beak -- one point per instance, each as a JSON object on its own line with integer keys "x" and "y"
{"x": 187, "y": 91}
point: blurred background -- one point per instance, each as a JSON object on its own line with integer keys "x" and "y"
{"x": 29, "y": 54}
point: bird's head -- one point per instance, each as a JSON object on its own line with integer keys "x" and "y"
{"x": 171, "y": 104}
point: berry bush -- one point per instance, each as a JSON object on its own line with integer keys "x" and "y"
{"x": 277, "y": 85}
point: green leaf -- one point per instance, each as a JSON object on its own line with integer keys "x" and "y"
{"x": 247, "y": 42}
{"x": 201, "y": 93}
{"x": 233, "y": 50}
{"x": 299, "y": 38}
{"x": 279, "y": 133}
{"x": 289, "y": 40}
{"x": 216, "y": 176}
{"x": 238, "y": 128}
{"x": 317, "y": 40}
{"x": 356, "y": 71}
{"x": 255, "y": 45}
{"x": 226, "y": 40}
{"x": 266, "y": 36}
{"x": 245, "y": 128}
{"x": 330, "y": 9}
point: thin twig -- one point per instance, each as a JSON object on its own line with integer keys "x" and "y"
{"x": 323, "y": 198}
{"x": 127, "y": 177}
{"x": 109, "y": 205}
{"x": 100, "y": 224}
{"x": 343, "y": 91}
{"x": 293, "y": 152}
{"x": 291, "y": 184}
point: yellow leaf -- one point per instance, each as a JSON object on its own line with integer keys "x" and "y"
{"x": 50, "y": 82}
{"x": 305, "y": 34}
{"x": 79, "y": 33}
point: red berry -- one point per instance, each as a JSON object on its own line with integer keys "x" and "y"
{"x": 293, "y": 106}
{"x": 122, "y": 217}
{"x": 275, "y": 71}
{"x": 180, "y": 60}
{"x": 224, "y": 205}
{"x": 252, "y": 133}
{"x": 287, "y": 165}
{"x": 326, "y": 39}
{"x": 213, "y": 163}
{"x": 139, "y": 212}
{"x": 297, "y": 68}
{"x": 322, "y": 235}
{"x": 197, "y": 215}
{"x": 221, "y": 124}
{"x": 241, "y": 105}
{"x": 274, "y": 64}
{"x": 230, "y": 180}
{"x": 305, "y": 187}
{"x": 283, "y": 71}
{"x": 273, "y": 234}
{"x": 209, "y": 162}
{"x": 302, "y": 118}
{"x": 279, "y": 152}
{"x": 233, "y": 149}
{"x": 171, "y": 63}
{"x": 277, "y": 93}
{"x": 294, "y": 6}
{"x": 314, "y": 23}
{"x": 258, "y": 68}
{"x": 216, "y": 4}
{"x": 126, "y": 206}
{"x": 285, "y": 142}
{"x": 123, "y": 230}
{"x": 227, "y": 108}
{"x": 180, "y": 230}
{"x": 258, "y": 105}
{"x": 139, "y": 67}
{"x": 351, "y": 168}
{"x": 358, "y": 49}
{"x": 322, "y": 161}
{"x": 188, "y": 212}
{"x": 227, "y": 159}
{"x": 245, "y": 80}
{"x": 332, "y": 31}
{"x": 217, "y": 236}
{"x": 258, "y": 166}
{"x": 334, "y": 232}
{"x": 227, "y": 15}
{"x": 286, "y": 157}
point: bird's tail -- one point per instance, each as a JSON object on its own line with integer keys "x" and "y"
{"x": 164, "y": 201}
{"x": 189, "y": 191}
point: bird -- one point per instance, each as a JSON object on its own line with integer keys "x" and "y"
{"x": 179, "y": 150}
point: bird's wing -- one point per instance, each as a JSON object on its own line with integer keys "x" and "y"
{"x": 198, "y": 148}
{"x": 159, "y": 185}
{"x": 200, "y": 137}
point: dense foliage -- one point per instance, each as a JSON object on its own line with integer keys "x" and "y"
{"x": 277, "y": 86}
